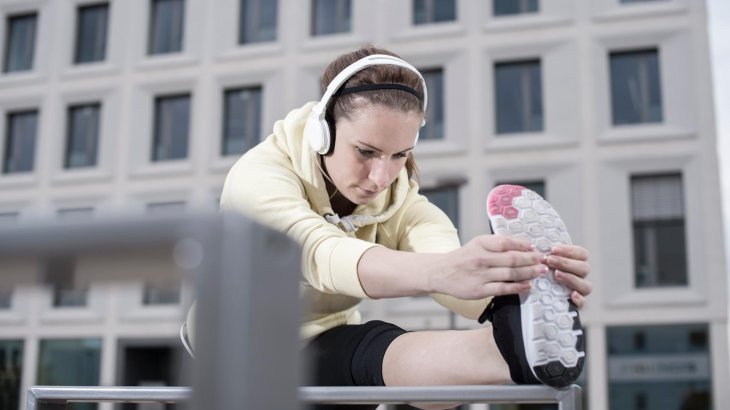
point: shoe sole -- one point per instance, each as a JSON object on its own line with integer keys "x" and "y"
{"x": 551, "y": 330}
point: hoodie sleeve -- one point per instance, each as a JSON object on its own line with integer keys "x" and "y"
{"x": 264, "y": 186}
{"x": 425, "y": 228}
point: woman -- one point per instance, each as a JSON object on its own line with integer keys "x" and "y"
{"x": 339, "y": 177}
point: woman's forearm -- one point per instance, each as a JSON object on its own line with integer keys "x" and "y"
{"x": 386, "y": 273}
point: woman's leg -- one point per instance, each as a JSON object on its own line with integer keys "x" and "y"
{"x": 444, "y": 357}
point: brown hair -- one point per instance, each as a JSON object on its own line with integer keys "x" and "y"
{"x": 342, "y": 106}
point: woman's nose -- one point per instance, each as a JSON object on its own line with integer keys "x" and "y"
{"x": 379, "y": 173}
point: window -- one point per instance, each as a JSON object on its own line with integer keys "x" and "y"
{"x": 536, "y": 186}
{"x": 91, "y": 34}
{"x": 83, "y": 136}
{"x": 167, "y": 19}
{"x": 6, "y": 300}
{"x": 635, "y": 87}
{"x": 20, "y": 138}
{"x": 447, "y": 199}
{"x": 434, "y": 128}
{"x": 60, "y": 273}
{"x": 11, "y": 363}
{"x": 161, "y": 293}
{"x": 670, "y": 371}
{"x": 75, "y": 214}
{"x": 151, "y": 363}
{"x": 172, "y": 123}
{"x": 20, "y": 42}
{"x": 257, "y": 21}
{"x": 660, "y": 256}
{"x": 9, "y": 217}
{"x": 433, "y": 11}
{"x": 331, "y": 17}
{"x": 70, "y": 362}
{"x": 241, "y": 120}
{"x": 518, "y": 96}
{"x": 166, "y": 208}
{"x": 512, "y": 7}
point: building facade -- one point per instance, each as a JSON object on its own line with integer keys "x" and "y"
{"x": 604, "y": 107}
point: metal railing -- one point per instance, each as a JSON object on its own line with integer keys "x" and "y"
{"x": 568, "y": 398}
{"x": 239, "y": 266}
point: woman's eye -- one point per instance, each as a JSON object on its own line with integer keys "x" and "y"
{"x": 365, "y": 152}
{"x": 401, "y": 155}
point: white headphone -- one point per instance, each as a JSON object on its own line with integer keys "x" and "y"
{"x": 316, "y": 130}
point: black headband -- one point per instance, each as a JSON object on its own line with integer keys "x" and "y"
{"x": 370, "y": 87}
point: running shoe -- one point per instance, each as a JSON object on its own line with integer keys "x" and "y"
{"x": 538, "y": 332}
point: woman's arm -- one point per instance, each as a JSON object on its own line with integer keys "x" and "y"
{"x": 486, "y": 266}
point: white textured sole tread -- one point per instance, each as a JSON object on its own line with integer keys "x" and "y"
{"x": 551, "y": 330}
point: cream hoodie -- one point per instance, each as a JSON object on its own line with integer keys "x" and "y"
{"x": 280, "y": 184}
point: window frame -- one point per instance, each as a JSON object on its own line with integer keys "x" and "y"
{"x": 340, "y": 10}
{"x": 7, "y": 139}
{"x": 78, "y": 33}
{"x": 35, "y": 14}
{"x": 259, "y": 90}
{"x": 527, "y": 89}
{"x": 176, "y": 48}
{"x": 156, "y": 139}
{"x": 94, "y": 163}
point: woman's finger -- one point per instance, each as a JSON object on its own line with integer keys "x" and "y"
{"x": 576, "y": 267}
{"x": 576, "y": 283}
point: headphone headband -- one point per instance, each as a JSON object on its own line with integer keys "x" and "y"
{"x": 367, "y": 61}
{"x": 316, "y": 129}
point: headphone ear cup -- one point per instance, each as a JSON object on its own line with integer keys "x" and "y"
{"x": 317, "y": 133}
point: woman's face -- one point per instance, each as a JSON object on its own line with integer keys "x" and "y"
{"x": 370, "y": 151}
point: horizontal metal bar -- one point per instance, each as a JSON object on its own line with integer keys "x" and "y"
{"x": 64, "y": 394}
{"x": 463, "y": 394}
{"x": 343, "y": 395}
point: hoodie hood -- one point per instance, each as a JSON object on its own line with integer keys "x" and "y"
{"x": 289, "y": 138}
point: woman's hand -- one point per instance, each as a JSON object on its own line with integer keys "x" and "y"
{"x": 489, "y": 265}
{"x": 571, "y": 269}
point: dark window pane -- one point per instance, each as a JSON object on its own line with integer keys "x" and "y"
{"x": 434, "y": 128}
{"x": 447, "y": 199}
{"x": 70, "y": 362}
{"x": 11, "y": 363}
{"x": 536, "y": 186}
{"x": 75, "y": 214}
{"x": 518, "y": 97}
{"x": 164, "y": 293}
{"x": 639, "y": 1}
{"x": 331, "y": 16}
{"x": 20, "y": 141}
{"x": 257, "y": 21}
{"x": 151, "y": 363}
{"x": 511, "y": 7}
{"x": 433, "y": 11}
{"x": 166, "y": 208}
{"x": 91, "y": 32}
{"x": 660, "y": 256}
{"x": 60, "y": 273}
{"x": 172, "y": 122}
{"x": 83, "y": 136}
{"x": 241, "y": 120}
{"x": 635, "y": 87}
{"x": 669, "y": 371}
{"x": 20, "y": 42}
{"x": 167, "y": 19}
{"x": 6, "y": 299}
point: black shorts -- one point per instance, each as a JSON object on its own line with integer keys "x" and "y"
{"x": 349, "y": 355}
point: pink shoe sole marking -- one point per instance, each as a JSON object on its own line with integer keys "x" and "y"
{"x": 500, "y": 201}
